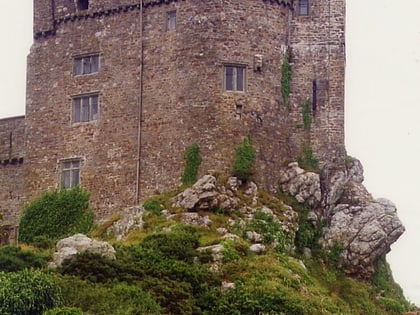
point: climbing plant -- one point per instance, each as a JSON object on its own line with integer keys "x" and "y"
{"x": 244, "y": 160}
{"x": 286, "y": 80}
{"x": 192, "y": 163}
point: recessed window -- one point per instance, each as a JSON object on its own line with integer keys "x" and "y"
{"x": 85, "y": 108}
{"x": 171, "y": 20}
{"x": 234, "y": 77}
{"x": 83, "y": 4}
{"x": 303, "y": 7}
{"x": 70, "y": 173}
{"x": 86, "y": 64}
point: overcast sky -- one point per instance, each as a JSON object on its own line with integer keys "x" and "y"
{"x": 382, "y": 106}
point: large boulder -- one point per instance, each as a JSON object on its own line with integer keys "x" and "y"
{"x": 366, "y": 232}
{"x": 69, "y": 247}
{"x": 304, "y": 186}
{"x": 206, "y": 195}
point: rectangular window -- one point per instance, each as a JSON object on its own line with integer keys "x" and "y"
{"x": 303, "y": 7}
{"x": 234, "y": 78}
{"x": 70, "y": 173}
{"x": 171, "y": 20}
{"x": 85, "y": 108}
{"x": 86, "y": 64}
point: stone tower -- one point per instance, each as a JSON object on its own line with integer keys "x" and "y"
{"x": 117, "y": 89}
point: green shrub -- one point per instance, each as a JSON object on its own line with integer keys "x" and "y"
{"x": 64, "y": 311}
{"x": 100, "y": 299}
{"x": 192, "y": 163}
{"x": 55, "y": 215}
{"x": 28, "y": 292}
{"x": 270, "y": 230}
{"x": 153, "y": 206}
{"x": 244, "y": 160}
{"x": 308, "y": 161}
{"x": 14, "y": 259}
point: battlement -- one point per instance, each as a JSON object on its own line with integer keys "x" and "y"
{"x": 48, "y": 13}
{"x": 118, "y": 89}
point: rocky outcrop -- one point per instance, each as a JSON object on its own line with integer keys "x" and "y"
{"x": 130, "y": 218}
{"x": 304, "y": 186}
{"x": 365, "y": 227}
{"x": 206, "y": 195}
{"x": 69, "y": 247}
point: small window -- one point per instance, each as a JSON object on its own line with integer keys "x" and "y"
{"x": 234, "y": 77}
{"x": 83, "y": 4}
{"x": 70, "y": 173}
{"x": 86, "y": 64}
{"x": 85, "y": 108}
{"x": 171, "y": 20}
{"x": 303, "y": 7}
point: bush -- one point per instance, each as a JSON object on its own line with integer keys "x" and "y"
{"x": 64, "y": 311}
{"x": 100, "y": 299}
{"x": 244, "y": 160}
{"x": 55, "y": 215}
{"x": 28, "y": 292}
{"x": 14, "y": 259}
{"x": 192, "y": 163}
{"x": 153, "y": 206}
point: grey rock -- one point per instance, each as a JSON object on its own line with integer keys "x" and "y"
{"x": 257, "y": 248}
{"x": 130, "y": 218}
{"x": 304, "y": 186}
{"x": 69, "y": 247}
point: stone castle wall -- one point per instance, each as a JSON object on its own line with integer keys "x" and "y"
{"x": 12, "y": 152}
{"x": 161, "y": 90}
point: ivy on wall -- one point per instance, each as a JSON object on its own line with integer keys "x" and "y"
{"x": 286, "y": 80}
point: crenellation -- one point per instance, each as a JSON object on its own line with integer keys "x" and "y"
{"x": 155, "y": 76}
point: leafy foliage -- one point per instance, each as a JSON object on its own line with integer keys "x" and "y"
{"x": 56, "y": 214}
{"x": 14, "y": 259}
{"x": 308, "y": 161}
{"x": 244, "y": 160}
{"x": 286, "y": 80}
{"x": 28, "y": 292}
{"x": 153, "y": 206}
{"x": 64, "y": 311}
{"x": 270, "y": 230}
{"x": 192, "y": 163}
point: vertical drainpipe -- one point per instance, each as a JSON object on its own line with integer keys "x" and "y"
{"x": 140, "y": 108}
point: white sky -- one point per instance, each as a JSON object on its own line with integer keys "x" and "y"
{"x": 382, "y": 106}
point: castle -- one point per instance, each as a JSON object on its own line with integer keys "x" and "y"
{"x": 118, "y": 89}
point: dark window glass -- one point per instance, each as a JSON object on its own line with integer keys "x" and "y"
{"x": 85, "y": 108}
{"x": 229, "y": 78}
{"x": 70, "y": 176}
{"x": 86, "y": 65}
{"x": 303, "y": 7}
{"x": 234, "y": 78}
{"x": 83, "y": 4}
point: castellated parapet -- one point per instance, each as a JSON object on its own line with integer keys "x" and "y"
{"x": 118, "y": 89}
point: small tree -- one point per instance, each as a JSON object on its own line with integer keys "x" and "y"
{"x": 192, "y": 163}
{"x": 244, "y": 160}
{"x": 56, "y": 214}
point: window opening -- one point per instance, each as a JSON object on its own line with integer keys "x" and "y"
{"x": 171, "y": 20}
{"x": 83, "y": 4}
{"x": 85, "y": 108}
{"x": 70, "y": 176}
{"x": 86, "y": 64}
{"x": 314, "y": 96}
{"x": 303, "y": 7}
{"x": 234, "y": 78}
{"x": 238, "y": 111}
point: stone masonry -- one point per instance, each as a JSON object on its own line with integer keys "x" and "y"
{"x": 160, "y": 86}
